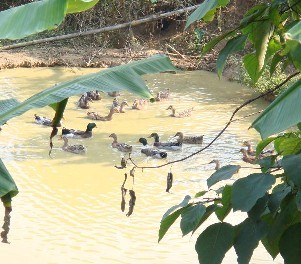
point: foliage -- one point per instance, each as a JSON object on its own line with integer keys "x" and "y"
{"x": 269, "y": 34}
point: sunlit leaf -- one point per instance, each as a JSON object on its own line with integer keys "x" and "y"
{"x": 288, "y": 146}
{"x": 249, "y": 233}
{"x": 21, "y": 21}
{"x": 124, "y": 77}
{"x": 224, "y": 173}
{"x": 294, "y": 33}
{"x": 224, "y": 210}
{"x": 233, "y": 45}
{"x": 8, "y": 187}
{"x": 200, "y": 194}
{"x": 74, "y": 6}
{"x": 292, "y": 166}
{"x": 201, "y": 11}
{"x": 294, "y": 52}
{"x": 289, "y": 244}
{"x": 191, "y": 216}
{"x": 246, "y": 191}
{"x": 281, "y": 113}
{"x": 214, "y": 242}
{"x": 177, "y": 206}
{"x": 262, "y": 144}
{"x": 252, "y": 66}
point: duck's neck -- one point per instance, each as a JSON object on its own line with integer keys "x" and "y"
{"x": 156, "y": 137}
{"x": 110, "y": 115}
{"x": 250, "y": 149}
{"x": 173, "y": 111}
{"x": 114, "y": 139}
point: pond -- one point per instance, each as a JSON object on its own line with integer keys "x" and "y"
{"x": 68, "y": 208}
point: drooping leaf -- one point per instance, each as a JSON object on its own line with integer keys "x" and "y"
{"x": 277, "y": 58}
{"x": 167, "y": 222}
{"x": 201, "y": 11}
{"x": 191, "y": 217}
{"x": 21, "y": 21}
{"x": 224, "y": 173}
{"x": 8, "y": 188}
{"x": 214, "y": 242}
{"x": 246, "y": 191}
{"x": 281, "y": 113}
{"x": 294, "y": 51}
{"x": 124, "y": 77}
{"x": 292, "y": 165}
{"x": 253, "y": 14}
{"x": 252, "y": 66}
{"x": 249, "y": 233}
{"x": 289, "y": 244}
{"x": 200, "y": 194}
{"x": 224, "y": 210}
{"x": 74, "y": 6}
{"x": 233, "y": 45}
{"x": 175, "y": 207}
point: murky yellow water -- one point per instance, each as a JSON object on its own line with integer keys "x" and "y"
{"x": 68, "y": 208}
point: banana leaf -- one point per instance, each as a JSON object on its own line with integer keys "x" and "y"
{"x": 8, "y": 188}
{"x": 75, "y": 6}
{"x": 124, "y": 77}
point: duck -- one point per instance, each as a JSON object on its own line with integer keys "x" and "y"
{"x": 122, "y": 105}
{"x": 114, "y": 94}
{"x": 115, "y": 103}
{"x": 139, "y": 104}
{"x": 252, "y": 152}
{"x": 76, "y": 149}
{"x": 189, "y": 139}
{"x": 165, "y": 145}
{"x": 162, "y": 95}
{"x": 42, "y": 120}
{"x": 151, "y": 152}
{"x": 246, "y": 157}
{"x": 184, "y": 113}
{"x": 96, "y": 116}
{"x": 94, "y": 95}
{"x": 217, "y": 164}
{"x": 83, "y": 102}
{"x": 72, "y": 133}
{"x": 120, "y": 146}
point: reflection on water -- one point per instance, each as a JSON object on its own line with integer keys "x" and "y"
{"x": 68, "y": 208}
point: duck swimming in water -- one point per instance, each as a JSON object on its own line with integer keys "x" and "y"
{"x": 189, "y": 139}
{"x": 120, "y": 146}
{"x": 165, "y": 145}
{"x": 151, "y": 152}
{"x": 42, "y": 120}
{"x": 96, "y": 116}
{"x": 73, "y": 133}
{"x": 76, "y": 149}
{"x": 184, "y": 113}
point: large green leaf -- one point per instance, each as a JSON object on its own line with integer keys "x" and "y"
{"x": 74, "y": 6}
{"x": 246, "y": 191}
{"x": 288, "y": 146}
{"x": 201, "y": 11}
{"x": 292, "y": 166}
{"x": 249, "y": 233}
{"x": 124, "y": 77}
{"x": 252, "y": 66}
{"x": 191, "y": 216}
{"x": 209, "y": 210}
{"x": 223, "y": 173}
{"x": 281, "y": 114}
{"x": 290, "y": 244}
{"x": 214, "y": 242}
{"x": 22, "y": 21}
{"x": 233, "y": 45}
{"x": 8, "y": 188}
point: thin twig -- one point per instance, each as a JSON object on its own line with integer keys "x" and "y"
{"x": 225, "y": 127}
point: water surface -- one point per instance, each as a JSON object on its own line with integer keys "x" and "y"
{"x": 68, "y": 208}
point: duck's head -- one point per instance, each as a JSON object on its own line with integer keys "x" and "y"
{"x": 153, "y": 135}
{"x": 246, "y": 143}
{"x": 179, "y": 134}
{"x": 124, "y": 103}
{"x": 143, "y": 141}
{"x": 170, "y": 107}
{"x": 113, "y": 135}
{"x": 90, "y": 126}
{"x": 242, "y": 150}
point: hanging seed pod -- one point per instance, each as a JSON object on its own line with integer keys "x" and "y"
{"x": 131, "y": 202}
{"x": 122, "y": 164}
{"x": 123, "y": 193}
{"x": 132, "y": 171}
{"x": 169, "y": 181}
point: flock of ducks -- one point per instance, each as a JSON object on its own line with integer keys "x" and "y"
{"x": 157, "y": 149}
